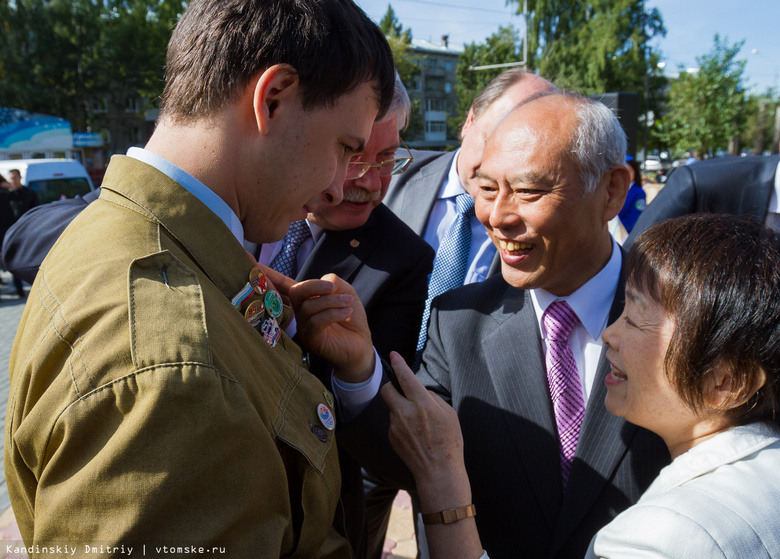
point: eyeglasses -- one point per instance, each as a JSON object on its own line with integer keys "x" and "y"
{"x": 357, "y": 169}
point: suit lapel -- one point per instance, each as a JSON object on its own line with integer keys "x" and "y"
{"x": 757, "y": 193}
{"x": 340, "y": 252}
{"x": 603, "y": 441}
{"x": 419, "y": 193}
{"x": 521, "y": 388}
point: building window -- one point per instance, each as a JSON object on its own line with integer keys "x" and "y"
{"x": 436, "y": 126}
{"x": 99, "y": 105}
{"x": 447, "y": 87}
{"x": 132, "y": 104}
{"x": 436, "y": 104}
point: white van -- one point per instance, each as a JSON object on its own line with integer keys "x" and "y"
{"x": 51, "y": 179}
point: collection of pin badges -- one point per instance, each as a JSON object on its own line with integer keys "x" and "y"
{"x": 261, "y": 312}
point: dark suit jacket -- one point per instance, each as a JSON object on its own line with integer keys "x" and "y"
{"x": 484, "y": 355}
{"x": 388, "y": 265}
{"x": 412, "y": 194}
{"x": 30, "y": 239}
{"x": 727, "y": 185}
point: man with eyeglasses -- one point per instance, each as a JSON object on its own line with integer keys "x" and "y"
{"x": 364, "y": 243}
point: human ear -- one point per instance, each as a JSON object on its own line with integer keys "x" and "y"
{"x": 618, "y": 181}
{"x": 468, "y": 123}
{"x": 275, "y": 88}
{"x": 721, "y": 389}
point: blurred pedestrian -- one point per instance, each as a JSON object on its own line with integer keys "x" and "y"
{"x": 636, "y": 197}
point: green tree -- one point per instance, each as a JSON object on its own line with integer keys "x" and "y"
{"x": 390, "y": 26}
{"x": 761, "y": 111}
{"x": 501, "y": 47}
{"x": 593, "y": 47}
{"x": 62, "y": 57}
{"x": 706, "y": 108}
{"x": 400, "y": 41}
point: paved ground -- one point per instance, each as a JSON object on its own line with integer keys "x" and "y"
{"x": 400, "y": 543}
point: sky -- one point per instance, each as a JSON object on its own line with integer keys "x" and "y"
{"x": 690, "y": 24}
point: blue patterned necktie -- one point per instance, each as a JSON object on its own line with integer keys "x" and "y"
{"x": 564, "y": 381}
{"x": 286, "y": 261}
{"x": 449, "y": 268}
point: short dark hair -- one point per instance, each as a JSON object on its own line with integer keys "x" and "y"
{"x": 634, "y": 164}
{"x": 218, "y": 46}
{"x": 718, "y": 277}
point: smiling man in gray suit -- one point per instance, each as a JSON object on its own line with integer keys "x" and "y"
{"x": 520, "y": 356}
{"x": 424, "y": 196}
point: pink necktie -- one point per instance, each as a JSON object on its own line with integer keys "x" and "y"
{"x": 564, "y": 381}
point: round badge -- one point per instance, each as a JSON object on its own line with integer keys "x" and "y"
{"x": 273, "y": 303}
{"x": 326, "y": 417}
{"x": 257, "y": 281}
{"x": 254, "y": 312}
{"x": 320, "y": 433}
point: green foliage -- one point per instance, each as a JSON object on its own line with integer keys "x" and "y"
{"x": 761, "y": 111}
{"x": 501, "y": 47}
{"x": 391, "y": 27}
{"x": 400, "y": 41}
{"x": 61, "y": 56}
{"x": 593, "y": 47}
{"x": 706, "y": 109}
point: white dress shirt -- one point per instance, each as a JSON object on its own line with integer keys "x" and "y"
{"x": 772, "y": 214}
{"x": 442, "y": 217}
{"x": 269, "y": 250}
{"x": 592, "y": 303}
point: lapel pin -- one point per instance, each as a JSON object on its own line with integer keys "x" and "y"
{"x": 326, "y": 417}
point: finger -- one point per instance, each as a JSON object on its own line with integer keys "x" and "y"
{"x": 410, "y": 384}
{"x": 309, "y": 289}
{"x": 314, "y": 305}
{"x": 322, "y": 320}
{"x": 392, "y": 397}
{"x": 340, "y": 285}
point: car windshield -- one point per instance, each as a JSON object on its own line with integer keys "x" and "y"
{"x": 59, "y": 189}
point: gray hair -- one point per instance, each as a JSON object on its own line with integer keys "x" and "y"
{"x": 400, "y": 106}
{"x": 598, "y": 142}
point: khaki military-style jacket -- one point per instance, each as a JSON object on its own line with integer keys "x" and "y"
{"x": 145, "y": 411}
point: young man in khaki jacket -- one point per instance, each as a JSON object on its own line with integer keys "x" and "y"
{"x": 150, "y": 407}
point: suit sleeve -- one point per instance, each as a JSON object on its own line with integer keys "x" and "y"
{"x": 676, "y": 198}
{"x": 29, "y": 240}
{"x": 394, "y": 318}
{"x": 365, "y": 438}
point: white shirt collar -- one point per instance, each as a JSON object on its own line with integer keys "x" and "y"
{"x": 593, "y": 301}
{"x": 773, "y": 199}
{"x": 194, "y": 186}
{"x": 724, "y": 448}
{"x": 452, "y": 186}
{"x": 316, "y": 231}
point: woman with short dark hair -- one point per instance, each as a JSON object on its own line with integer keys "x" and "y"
{"x": 696, "y": 359}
